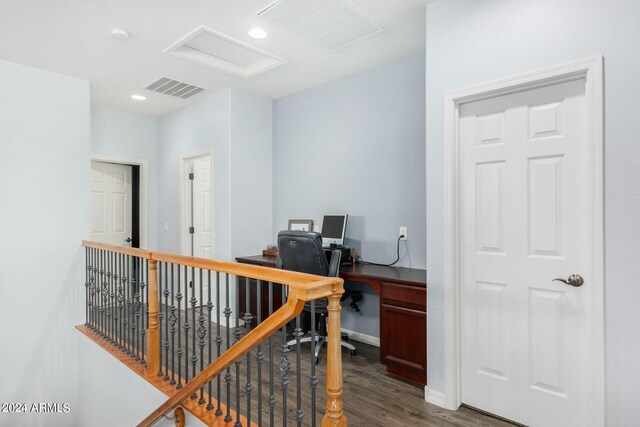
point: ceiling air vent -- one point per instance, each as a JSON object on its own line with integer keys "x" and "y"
{"x": 333, "y": 24}
{"x": 213, "y": 49}
{"x": 175, "y": 88}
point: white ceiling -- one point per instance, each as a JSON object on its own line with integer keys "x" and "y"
{"x": 72, "y": 37}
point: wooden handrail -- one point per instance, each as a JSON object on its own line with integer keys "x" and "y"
{"x": 277, "y": 320}
{"x": 302, "y": 288}
{"x": 309, "y": 287}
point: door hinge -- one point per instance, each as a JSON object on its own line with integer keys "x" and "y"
{"x": 192, "y": 176}
{"x": 191, "y": 230}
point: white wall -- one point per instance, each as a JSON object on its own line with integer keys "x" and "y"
{"x": 469, "y": 42}
{"x": 113, "y": 395}
{"x": 44, "y": 215}
{"x": 134, "y": 137}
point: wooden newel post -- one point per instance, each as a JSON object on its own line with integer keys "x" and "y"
{"x": 153, "y": 333}
{"x": 334, "y": 416}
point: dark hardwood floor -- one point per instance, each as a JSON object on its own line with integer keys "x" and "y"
{"x": 371, "y": 396}
{"x": 374, "y": 398}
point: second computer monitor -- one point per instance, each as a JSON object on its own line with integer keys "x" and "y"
{"x": 333, "y": 229}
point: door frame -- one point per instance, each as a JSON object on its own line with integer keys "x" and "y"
{"x": 143, "y": 164}
{"x": 590, "y": 69}
{"x": 184, "y": 240}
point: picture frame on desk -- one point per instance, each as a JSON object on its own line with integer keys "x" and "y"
{"x": 301, "y": 224}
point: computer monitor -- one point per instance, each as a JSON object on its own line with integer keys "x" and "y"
{"x": 333, "y": 229}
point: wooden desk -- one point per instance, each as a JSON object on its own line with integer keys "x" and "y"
{"x": 403, "y": 312}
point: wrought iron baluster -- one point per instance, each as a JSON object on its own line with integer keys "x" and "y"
{"x": 127, "y": 288}
{"x": 87, "y": 267}
{"x": 88, "y": 286}
{"x": 202, "y": 332}
{"x": 92, "y": 287}
{"x": 161, "y": 314}
{"x": 127, "y": 304}
{"x": 218, "y": 343}
{"x": 117, "y": 276}
{"x": 172, "y": 320}
{"x": 284, "y": 367}
{"x": 105, "y": 295}
{"x": 112, "y": 296}
{"x": 209, "y": 330}
{"x": 178, "y": 299}
{"x": 135, "y": 311}
{"x": 187, "y": 326}
{"x": 131, "y": 289}
{"x": 297, "y": 333}
{"x": 227, "y": 377}
{"x": 193, "y": 301}
{"x": 259, "y": 354}
{"x": 100, "y": 287}
{"x": 114, "y": 302}
{"x": 248, "y": 318}
{"x": 145, "y": 308}
{"x": 236, "y": 334}
{"x": 165, "y": 292}
{"x": 272, "y": 399}
{"x": 313, "y": 381}
{"x": 96, "y": 291}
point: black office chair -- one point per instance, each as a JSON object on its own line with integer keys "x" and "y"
{"x": 302, "y": 251}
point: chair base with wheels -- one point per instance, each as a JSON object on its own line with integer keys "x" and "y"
{"x": 321, "y": 340}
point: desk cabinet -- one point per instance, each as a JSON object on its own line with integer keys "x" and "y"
{"x": 403, "y": 331}
{"x": 403, "y": 312}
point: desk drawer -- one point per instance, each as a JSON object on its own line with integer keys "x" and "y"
{"x": 404, "y": 296}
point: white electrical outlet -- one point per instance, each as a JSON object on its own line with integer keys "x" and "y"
{"x": 403, "y": 232}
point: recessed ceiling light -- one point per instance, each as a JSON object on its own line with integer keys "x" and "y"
{"x": 120, "y": 34}
{"x": 258, "y": 33}
{"x": 138, "y": 97}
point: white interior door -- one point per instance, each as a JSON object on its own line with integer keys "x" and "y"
{"x": 526, "y": 218}
{"x": 111, "y": 199}
{"x": 202, "y": 208}
{"x": 197, "y": 219}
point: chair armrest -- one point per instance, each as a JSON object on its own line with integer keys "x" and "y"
{"x": 334, "y": 264}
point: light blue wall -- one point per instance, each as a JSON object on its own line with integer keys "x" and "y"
{"x": 237, "y": 126}
{"x": 44, "y": 216}
{"x": 129, "y": 136}
{"x": 251, "y": 136}
{"x": 356, "y": 145}
{"x": 196, "y": 128}
{"x": 470, "y": 42}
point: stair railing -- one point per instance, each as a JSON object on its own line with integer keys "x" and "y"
{"x": 159, "y": 313}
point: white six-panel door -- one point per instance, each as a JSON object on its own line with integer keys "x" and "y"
{"x": 111, "y": 198}
{"x": 198, "y": 213}
{"x": 202, "y": 208}
{"x": 526, "y": 218}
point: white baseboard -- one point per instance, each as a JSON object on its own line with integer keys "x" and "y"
{"x": 363, "y": 338}
{"x": 434, "y": 397}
